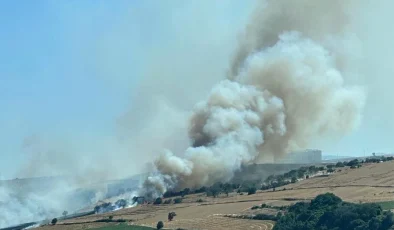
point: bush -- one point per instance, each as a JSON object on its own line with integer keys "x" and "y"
{"x": 340, "y": 165}
{"x": 110, "y": 217}
{"x": 330, "y": 166}
{"x": 171, "y": 216}
{"x": 177, "y": 200}
{"x": 201, "y": 190}
{"x": 54, "y": 221}
{"x": 353, "y": 163}
{"x": 322, "y": 168}
{"x": 160, "y": 225}
{"x": 168, "y": 201}
{"x": 262, "y": 216}
{"x": 255, "y": 207}
{"x": 200, "y": 200}
{"x": 158, "y": 201}
{"x": 264, "y": 205}
{"x": 122, "y": 203}
{"x": 252, "y": 190}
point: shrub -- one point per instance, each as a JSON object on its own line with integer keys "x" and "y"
{"x": 158, "y": 201}
{"x": 262, "y": 216}
{"x": 264, "y": 205}
{"x": 255, "y": 207}
{"x": 110, "y": 217}
{"x": 200, "y": 200}
{"x": 340, "y": 165}
{"x": 171, "y": 216}
{"x": 54, "y": 221}
{"x": 168, "y": 201}
{"x": 177, "y": 200}
{"x": 160, "y": 225}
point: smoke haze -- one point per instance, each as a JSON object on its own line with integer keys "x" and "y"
{"x": 287, "y": 87}
{"x": 299, "y": 75}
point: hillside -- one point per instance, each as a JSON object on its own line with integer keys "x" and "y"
{"x": 370, "y": 183}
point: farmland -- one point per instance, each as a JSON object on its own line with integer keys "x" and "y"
{"x": 370, "y": 183}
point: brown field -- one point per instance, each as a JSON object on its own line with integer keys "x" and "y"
{"x": 370, "y": 183}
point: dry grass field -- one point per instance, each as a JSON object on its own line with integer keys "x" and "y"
{"x": 370, "y": 183}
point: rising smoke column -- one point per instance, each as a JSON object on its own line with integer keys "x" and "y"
{"x": 286, "y": 87}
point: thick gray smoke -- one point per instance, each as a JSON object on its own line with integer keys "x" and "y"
{"x": 287, "y": 87}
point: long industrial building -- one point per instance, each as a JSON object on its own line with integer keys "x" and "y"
{"x": 308, "y": 156}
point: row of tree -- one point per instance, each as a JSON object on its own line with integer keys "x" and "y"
{"x": 274, "y": 181}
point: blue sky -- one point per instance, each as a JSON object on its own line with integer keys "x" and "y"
{"x": 48, "y": 84}
{"x": 70, "y": 68}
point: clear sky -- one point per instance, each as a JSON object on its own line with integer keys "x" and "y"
{"x": 69, "y": 69}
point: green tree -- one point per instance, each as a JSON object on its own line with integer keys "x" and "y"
{"x": 158, "y": 201}
{"x": 178, "y": 200}
{"x": 54, "y": 221}
{"x": 214, "y": 191}
{"x": 160, "y": 225}
{"x": 293, "y": 179}
{"x": 227, "y": 188}
{"x": 329, "y": 212}
{"x": 330, "y": 166}
{"x": 252, "y": 190}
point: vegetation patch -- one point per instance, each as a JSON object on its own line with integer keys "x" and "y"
{"x": 329, "y": 212}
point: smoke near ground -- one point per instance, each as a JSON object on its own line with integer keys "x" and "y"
{"x": 286, "y": 87}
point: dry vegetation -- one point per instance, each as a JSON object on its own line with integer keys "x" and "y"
{"x": 370, "y": 183}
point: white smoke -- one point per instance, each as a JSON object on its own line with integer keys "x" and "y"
{"x": 23, "y": 202}
{"x": 287, "y": 87}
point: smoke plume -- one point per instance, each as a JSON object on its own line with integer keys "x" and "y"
{"x": 286, "y": 87}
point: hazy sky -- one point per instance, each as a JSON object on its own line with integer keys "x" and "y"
{"x": 70, "y": 69}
